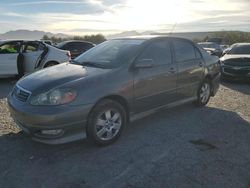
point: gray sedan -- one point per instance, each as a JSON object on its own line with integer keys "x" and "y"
{"x": 120, "y": 80}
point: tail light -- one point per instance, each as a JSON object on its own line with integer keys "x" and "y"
{"x": 69, "y": 55}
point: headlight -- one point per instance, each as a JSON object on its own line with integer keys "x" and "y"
{"x": 55, "y": 97}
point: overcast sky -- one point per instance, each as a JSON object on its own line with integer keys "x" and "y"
{"x": 113, "y": 16}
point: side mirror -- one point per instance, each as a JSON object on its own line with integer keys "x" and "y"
{"x": 144, "y": 63}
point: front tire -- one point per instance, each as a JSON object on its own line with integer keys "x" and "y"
{"x": 106, "y": 122}
{"x": 203, "y": 93}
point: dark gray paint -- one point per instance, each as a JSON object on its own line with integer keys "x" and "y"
{"x": 141, "y": 89}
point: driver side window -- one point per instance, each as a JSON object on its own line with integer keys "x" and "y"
{"x": 10, "y": 48}
{"x": 159, "y": 52}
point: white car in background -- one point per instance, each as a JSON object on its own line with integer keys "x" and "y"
{"x": 20, "y": 57}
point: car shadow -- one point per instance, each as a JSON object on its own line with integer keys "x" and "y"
{"x": 175, "y": 137}
{"x": 6, "y": 86}
{"x": 240, "y": 86}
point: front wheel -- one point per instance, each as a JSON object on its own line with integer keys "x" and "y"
{"x": 204, "y": 93}
{"x": 106, "y": 122}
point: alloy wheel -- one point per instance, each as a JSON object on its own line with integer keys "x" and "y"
{"x": 108, "y": 124}
{"x": 205, "y": 92}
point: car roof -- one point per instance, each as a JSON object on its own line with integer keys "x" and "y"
{"x": 149, "y": 37}
{"x": 242, "y": 44}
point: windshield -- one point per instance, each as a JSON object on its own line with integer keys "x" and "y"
{"x": 242, "y": 49}
{"x": 111, "y": 53}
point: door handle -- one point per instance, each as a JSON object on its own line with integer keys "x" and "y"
{"x": 200, "y": 64}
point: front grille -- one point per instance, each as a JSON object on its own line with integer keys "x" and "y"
{"x": 240, "y": 62}
{"x": 240, "y": 72}
{"x": 21, "y": 94}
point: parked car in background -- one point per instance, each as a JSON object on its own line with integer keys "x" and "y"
{"x": 224, "y": 47}
{"x": 48, "y": 42}
{"x": 212, "y": 48}
{"x": 117, "y": 81}
{"x": 235, "y": 64}
{"x": 19, "y": 57}
{"x": 75, "y": 47}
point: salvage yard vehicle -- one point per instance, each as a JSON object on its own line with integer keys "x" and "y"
{"x": 212, "y": 48}
{"x": 116, "y": 82}
{"x": 19, "y": 57}
{"x": 235, "y": 64}
{"x": 75, "y": 47}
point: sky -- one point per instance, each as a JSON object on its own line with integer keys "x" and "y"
{"x": 80, "y": 17}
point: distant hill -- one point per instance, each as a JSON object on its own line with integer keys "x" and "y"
{"x": 189, "y": 35}
{"x": 29, "y": 35}
{"x": 123, "y": 34}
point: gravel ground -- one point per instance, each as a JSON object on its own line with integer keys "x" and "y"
{"x": 182, "y": 147}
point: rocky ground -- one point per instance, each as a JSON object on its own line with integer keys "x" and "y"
{"x": 181, "y": 147}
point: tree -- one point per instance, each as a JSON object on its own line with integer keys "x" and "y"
{"x": 96, "y": 39}
{"x": 45, "y": 37}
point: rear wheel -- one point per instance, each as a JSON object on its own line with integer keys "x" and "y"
{"x": 203, "y": 94}
{"x": 106, "y": 122}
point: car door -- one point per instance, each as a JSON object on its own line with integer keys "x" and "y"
{"x": 9, "y": 52}
{"x": 190, "y": 67}
{"x": 32, "y": 51}
{"x": 154, "y": 77}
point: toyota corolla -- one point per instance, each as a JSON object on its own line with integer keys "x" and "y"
{"x": 120, "y": 80}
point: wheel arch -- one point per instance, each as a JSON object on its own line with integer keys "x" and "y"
{"x": 51, "y": 61}
{"x": 117, "y": 98}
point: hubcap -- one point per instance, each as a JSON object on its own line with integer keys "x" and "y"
{"x": 205, "y": 92}
{"x": 108, "y": 124}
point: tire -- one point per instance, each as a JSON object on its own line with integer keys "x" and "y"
{"x": 50, "y": 64}
{"x": 106, "y": 123}
{"x": 203, "y": 93}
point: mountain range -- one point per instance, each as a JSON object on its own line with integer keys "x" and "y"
{"x": 36, "y": 35}
{"x": 29, "y": 35}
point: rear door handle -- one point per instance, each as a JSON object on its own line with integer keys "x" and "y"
{"x": 200, "y": 64}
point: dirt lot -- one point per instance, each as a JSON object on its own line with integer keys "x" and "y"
{"x": 182, "y": 147}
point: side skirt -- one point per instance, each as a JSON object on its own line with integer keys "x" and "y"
{"x": 141, "y": 115}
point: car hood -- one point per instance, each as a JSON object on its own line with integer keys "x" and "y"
{"x": 58, "y": 75}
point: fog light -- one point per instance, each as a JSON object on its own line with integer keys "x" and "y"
{"x": 52, "y": 132}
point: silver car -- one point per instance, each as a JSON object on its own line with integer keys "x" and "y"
{"x": 19, "y": 57}
{"x": 120, "y": 80}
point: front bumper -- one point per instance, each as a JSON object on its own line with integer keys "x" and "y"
{"x": 69, "y": 121}
{"x": 237, "y": 73}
